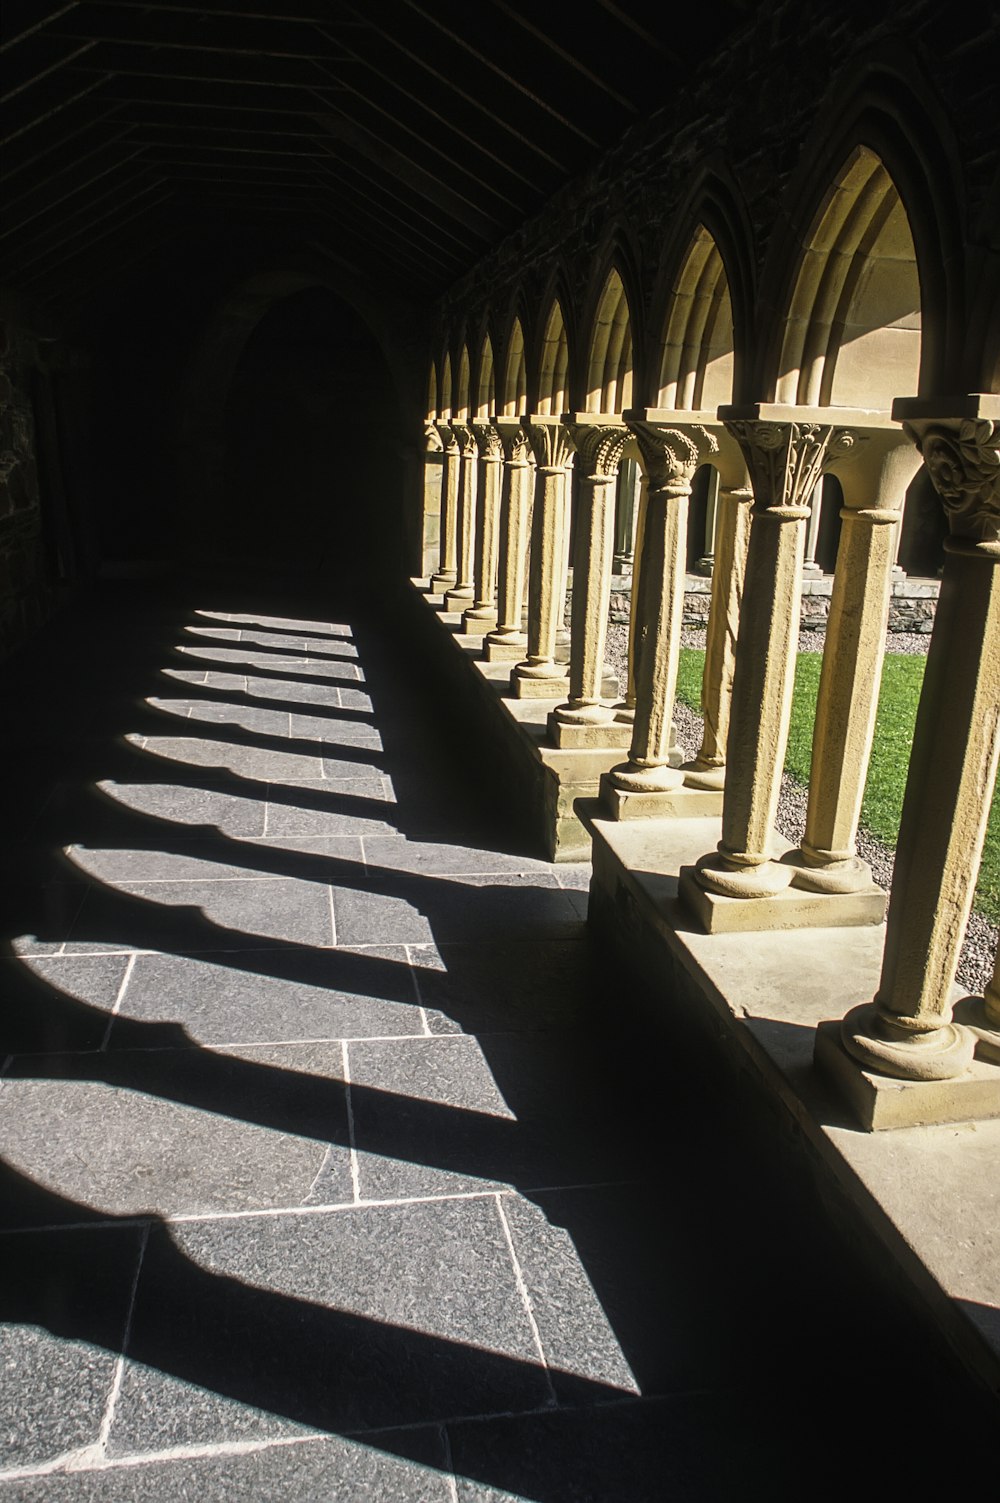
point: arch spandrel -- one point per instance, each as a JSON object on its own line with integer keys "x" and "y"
{"x": 853, "y": 328}
{"x": 609, "y": 375}
{"x": 553, "y": 377}
{"x": 697, "y": 362}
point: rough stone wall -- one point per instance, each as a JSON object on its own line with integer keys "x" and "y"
{"x": 25, "y": 596}
{"x": 911, "y": 608}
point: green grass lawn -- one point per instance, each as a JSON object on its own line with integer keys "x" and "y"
{"x": 897, "y": 709}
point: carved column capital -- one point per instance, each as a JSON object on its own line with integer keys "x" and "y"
{"x": 487, "y": 440}
{"x": 448, "y": 438}
{"x": 599, "y": 448}
{"x": 671, "y": 452}
{"x": 962, "y": 456}
{"x": 550, "y": 442}
{"x": 464, "y": 438}
{"x": 432, "y": 439}
{"x": 786, "y": 456}
{"x": 514, "y": 442}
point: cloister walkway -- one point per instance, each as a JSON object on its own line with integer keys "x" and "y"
{"x": 337, "y": 1166}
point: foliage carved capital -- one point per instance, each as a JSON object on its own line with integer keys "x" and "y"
{"x": 448, "y": 438}
{"x": 963, "y": 461}
{"x": 465, "y": 438}
{"x": 432, "y": 439}
{"x": 671, "y": 454}
{"x": 488, "y": 443}
{"x": 786, "y": 460}
{"x": 550, "y": 444}
{"x": 516, "y": 447}
{"x": 599, "y": 449}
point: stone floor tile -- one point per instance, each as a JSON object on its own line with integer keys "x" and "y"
{"x": 349, "y": 1320}
{"x": 189, "y": 916}
{"x": 271, "y": 995}
{"x": 225, "y": 712}
{"x": 174, "y": 1132}
{"x": 452, "y": 1114}
{"x": 506, "y": 986}
{"x": 201, "y": 859}
{"x": 64, "y": 1302}
{"x": 357, "y": 806}
{"x": 400, "y": 854}
{"x": 336, "y": 730}
{"x": 405, "y": 1466}
{"x": 307, "y": 689}
{"x": 352, "y": 698}
{"x": 57, "y": 1003}
{"x": 36, "y": 918}
{"x": 417, "y": 910}
{"x": 215, "y": 804}
{"x": 267, "y": 765}
{"x": 347, "y": 763}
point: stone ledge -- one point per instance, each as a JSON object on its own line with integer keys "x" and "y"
{"x": 930, "y": 1195}
{"x": 881, "y": 1103}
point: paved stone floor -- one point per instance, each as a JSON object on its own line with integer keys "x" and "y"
{"x": 336, "y": 1168}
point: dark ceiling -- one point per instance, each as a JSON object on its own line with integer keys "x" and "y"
{"x": 405, "y": 137}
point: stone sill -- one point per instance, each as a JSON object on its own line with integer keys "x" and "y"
{"x": 930, "y": 1194}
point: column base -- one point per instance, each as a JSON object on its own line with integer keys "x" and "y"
{"x": 787, "y": 909}
{"x": 478, "y": 621}
{"x": 675, "y": 803}
{"x": 971, "y": 1012}
{"x": 505, "y": 649}
{"x": 539, "y": 688}
{"x": 709, "y": 779}
{"x": 458, "y": 600}
{"x": 606, "y": 734}
{"x": 441, "y": 583}
{"x": 880, "y": 1102}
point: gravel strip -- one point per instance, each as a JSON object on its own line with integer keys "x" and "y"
{"x": 979, "y": 950}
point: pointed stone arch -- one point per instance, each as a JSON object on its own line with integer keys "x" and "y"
{"x": 852, "y": 329}
{"x": 514, "y": 392}
{"x": 463, "y": 386}
{"x": 432, "y": 392}
{"x": 553, "y": 363}
{"x": 484, "y": 405}
{"x": 697, "y": 359}
{"x": 609, "y": 372}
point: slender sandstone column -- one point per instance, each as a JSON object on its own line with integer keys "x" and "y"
{"x": 907, "y": 1030}
{"x": 462, "y": 594}
{"x": 625, "y": 515}
{"x": 508, "y": 639}
{"x": 732, "y": 536}
{"x": 625, "y": 712}
{"x": 785, "y": 458}
{"x": 447, "y": 573}
{"x": 874, "y": 481}
{"x": 553, "y": 452}
{"x": 670, "y": 455}
{"x": 430, "y": 527}
{"x": 706, "y": 564}
{"x": 809, "y": 564}
{"x": 482, "y": 614}
{"x": 599, "y": 448}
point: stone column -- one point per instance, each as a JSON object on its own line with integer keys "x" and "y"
{"x": 447, "y": 572}
{"x": 599, "y": 446}
{"x": 670, "y": 454}
{"x": 508, "y": 642}
{"x": 540, "y": 675}
{"x": 463, "y": 593}
{"x": 706, "y": 564}
{"x": 433, "y": 474}
{"x": 874, "y": 478}
{"x": 482, "y": 614}
{"x": 981, "y": 1015}
{"x": 907, "y": 1032}
{"x": 732, "y": 535}
{"x": 809, "y": 564}
{"x": 625, "y": 712}
{"x": 625, "y": 509}
{"x": 786, "y": 456}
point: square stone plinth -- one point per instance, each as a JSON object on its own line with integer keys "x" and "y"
{"x": 679, "y": 803}
{"x": 879, "y": 1102}
{"x": 506, "y": 652}
{"x": 539, "y": 688}
{"x": 478, "y": 626}
{"x": 611, "y": 734}
{"x": 791, "y": 909}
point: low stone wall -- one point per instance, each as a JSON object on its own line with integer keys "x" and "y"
{"x": 911, "y": 608}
